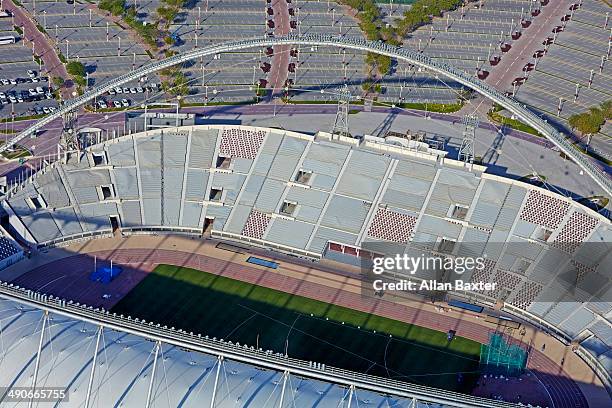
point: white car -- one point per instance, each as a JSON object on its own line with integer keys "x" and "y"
{"x": 31, "y": 73}
{"x": 140, "y": 90}
{"x": 13, "y": 82}
{"x": 118, "y": 90}
{"x": 126, "y": 90}
{"x": 4, "y": 81}
{"x": 12, "y": 99}
{"x": 48, "y": 95}
{"x": 2, "y": 95}
{"x": 52, "y": 109}
{"x": 125, "y": 103}
{"x": 116, "y": 104}
{"x": 112, "y": 92}
{"x": 32, "y": 92}
{"x": 39, "y": 90}
{"x": 19, "y": 99}
{"x": 46, "y": 109}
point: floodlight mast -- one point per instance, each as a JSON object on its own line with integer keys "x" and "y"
{"x": 341, "y": 126}
{"x": 519, "y": 110}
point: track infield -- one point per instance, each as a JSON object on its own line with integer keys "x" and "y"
{"x": 304, "y": 328}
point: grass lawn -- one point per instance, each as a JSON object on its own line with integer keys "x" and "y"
{"x": 18, "y": 152}
{"x": 249, "y": 314}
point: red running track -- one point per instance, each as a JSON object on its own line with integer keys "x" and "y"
{"x": 69, "y": 278}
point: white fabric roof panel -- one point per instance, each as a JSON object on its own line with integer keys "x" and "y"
{"x": 191, "y": 214}
{"x": 131, "y": 214}
{"x": 84, "y": 195}
{"x": 125, "y": 364}
{"x": 126, "y": 183}
{"x": 52, "y": 189}
{"x": 175, "y": 148}
{"x": 269, "y": 197}
{"x": 150, "y": 179}
{"x": 42, "y": 226}
{"x": 410, "y": 168}
{"x": 346, "y": 214}
{"x": 363, "y": 175}
{"x": 195, "y": 188}
{"x": 67, "y": 221}
{"x": 173, "y": 182}
{"x": 95, "y": 216}
{"x": 172, "y": 208}
{"x": 252, "y": 189}
{"x": 152, "y": 211}
{"x": 238, "y": 218}
{"x": 202, "y": 150}
{"x": 149, "y": 153}
{"x": 287, "y": 157}
{"x": 493, "y": 192}
{"x": 241, "y": 165}
{"x": 122, "y": 153}
{"x": 292, "y": 233}
{"x": 83, "y": 178}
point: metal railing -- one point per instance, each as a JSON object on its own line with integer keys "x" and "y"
{"x": 243, "y": 353}
{"x": 378, "y": 47}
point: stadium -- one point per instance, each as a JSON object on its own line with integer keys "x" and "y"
{"x": 191, "y": 253}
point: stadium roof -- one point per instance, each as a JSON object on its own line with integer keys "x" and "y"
{"x": 101, "y": 367}
{"x": 329, "y": 196}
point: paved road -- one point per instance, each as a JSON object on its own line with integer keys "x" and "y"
{"x": 531, "y": 41}
{"x": 42, "y": 45}
{"x": 280, "y": 60}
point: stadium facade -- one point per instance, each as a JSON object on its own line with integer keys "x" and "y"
{"x": 324, "y": 196}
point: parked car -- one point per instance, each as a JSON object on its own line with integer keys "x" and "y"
{"x": 116, "y": 104}
{"x": 125, "y": 103}
{"x": 39, "y": 90}
{"x": 118, "y": 90}
{"x": 46, "y": 109}
{"x": 31, "y": 73}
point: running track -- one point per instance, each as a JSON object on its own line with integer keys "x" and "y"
{"x": 68, "y": 278}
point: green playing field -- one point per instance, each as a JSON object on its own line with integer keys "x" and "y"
{"x": 304, "y": 328}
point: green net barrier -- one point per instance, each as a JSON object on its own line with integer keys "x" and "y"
{"x": 501, "y": 357}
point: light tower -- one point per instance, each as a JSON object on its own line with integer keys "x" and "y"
{"x": 69, "y": 141}
{"x": 341, "y": 121}
{"x": 466, "y": 151}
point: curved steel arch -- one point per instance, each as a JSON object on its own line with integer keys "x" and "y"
{"x": 378, "y": 47}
